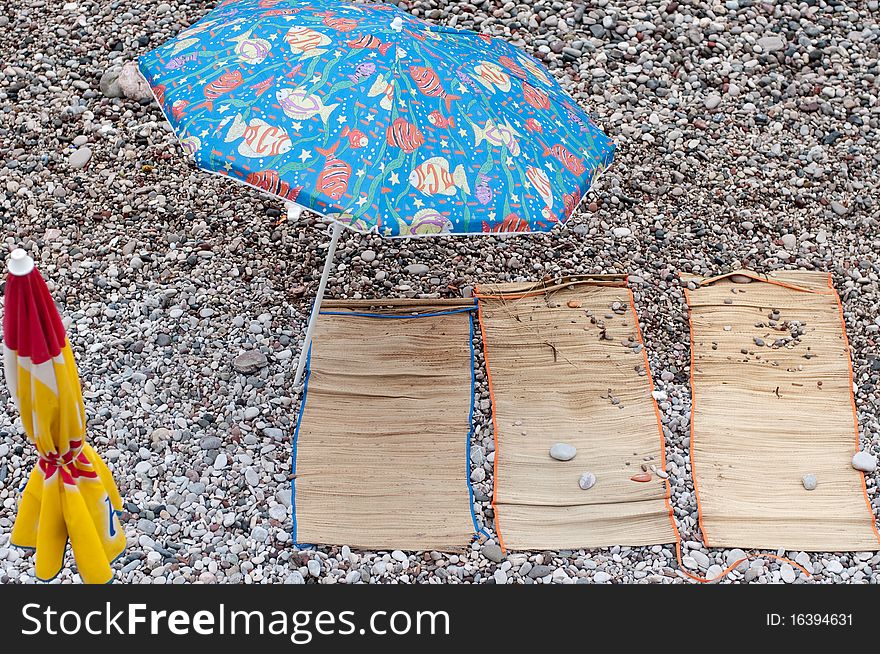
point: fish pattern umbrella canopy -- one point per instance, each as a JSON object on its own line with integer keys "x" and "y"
{"x": 70, "y": 495}
{"x": 377, "y": 119}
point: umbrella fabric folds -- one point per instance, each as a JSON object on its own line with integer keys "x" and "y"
{"x": 377, "y": 120}
{"x": 70, "y": 494}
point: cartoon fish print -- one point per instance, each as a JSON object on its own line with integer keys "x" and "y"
{"x": 482, "y": 191}
{"x": 227, "y": 82}
{"x": 467, "y": 81}
{"x": 577, "y": 120}
{"x": 251, "y": 50}
{"x": 333, "y": 179}
{"x": 438, "y": 120}
{"x": 570, "y": 202}
{"x": 353, "y": 222}
{"x": 384, "y": 88}
{"x": 181, "y": 45}
{"x": 369, "y": 42}
{"x": 534, "y": 126}
{"x": 190, "y": 145}
{"x": 535, "y": 97}
{"x": 541, "y": 183}
{"x": 262, "y": 87}
{"x": 178, "y": 107}
{"x": 404, "y": 135}
{"x": 306, "y": 42}
{"x": 498, "y": 135}
{"x": 356, "y": 138}
{"x": 180, "y": 62}
{"x": 573, "y": 164}
{"x": 490, "y": 75}
{"x": 512, "y": 66}
{"x": 511, "y": 223}
{"x": 362, "y": 71}
{"x": 433, "y": 177}
{"x": 299, "y": 104}
{"x": 284, "y": 11}
{"x": 269, "y": 181}
{"x": 338, "y": 24}
{"x": 159, "y": 92}
{"x": 259, "y": 138}
{"x": 534, "y": 69}
{"x": 428, "y": 83}
{"x": 429, "y": 222}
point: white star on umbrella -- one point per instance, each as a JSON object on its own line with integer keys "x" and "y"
{"x": 394, "y": 179}
{"x": 297, "y": 126}
{"x": 361, "y": 201}
{"x": 228, "y": 165}
{"x": 305, "y": 154}
{"x": 341, "y": 119}
{"x": 444, "y": 143}
{"x": 418, "y": 203}
{"x": 370, "y": 118}
{"x": 462, "y": 131}
{"x": 361, "y": 172}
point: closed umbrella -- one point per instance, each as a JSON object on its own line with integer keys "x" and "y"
{"x": 70, "y": 495}
{"x": 376, "y": 120}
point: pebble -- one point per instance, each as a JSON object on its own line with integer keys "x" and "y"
{"x": 314, "y": 566}
{"x": 493, "y": 552}
{"x": 864, "y": 461}
{"x": 587, "y": 481}
{"x": 563, "y": 452}
{"x": 249, "y": 362}
{"x": 416, "y": 269}
{"x": 809, "y": 482}
{"x": 80, "y": 157}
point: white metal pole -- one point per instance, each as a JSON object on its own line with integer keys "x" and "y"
{"x": 307, "y": 342}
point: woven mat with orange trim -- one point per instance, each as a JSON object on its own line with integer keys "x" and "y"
{"x": 566, "y": 364}
{"x": 773, "y": 402}
{"x": 381, "y": 448}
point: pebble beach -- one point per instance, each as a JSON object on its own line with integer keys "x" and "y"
{"x": 746, "y": 135}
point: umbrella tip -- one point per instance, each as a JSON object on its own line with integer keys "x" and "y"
{"x": 20, "y": 264}
{"x": 397, "y": 24}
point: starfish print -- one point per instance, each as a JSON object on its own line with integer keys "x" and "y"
{"x": 361, "y": 201}
{"x": 228, "y": 165}
{"x": 341, "y": 119}
{"x": 304, "y": 155}
{"x": 361, "y": 172}
{"x": 297, "y": 126}
{"x": 444, "y": 143}
{"x": 418, "y": 203}
{"x": 394, "y": 179}
{"x": 370, "y": 118}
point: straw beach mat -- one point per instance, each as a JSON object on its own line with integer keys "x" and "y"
{"x": 381, "y": 449}
{"x": 566, "y": 364}
{"x": 773, "y": 401}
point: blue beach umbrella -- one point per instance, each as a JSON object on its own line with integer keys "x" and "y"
{"x": 376, "y": 120}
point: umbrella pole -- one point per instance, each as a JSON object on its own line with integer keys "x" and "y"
{"x": 307, "y": 341}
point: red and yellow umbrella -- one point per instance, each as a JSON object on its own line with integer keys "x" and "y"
{"x": 70, "y": 495}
